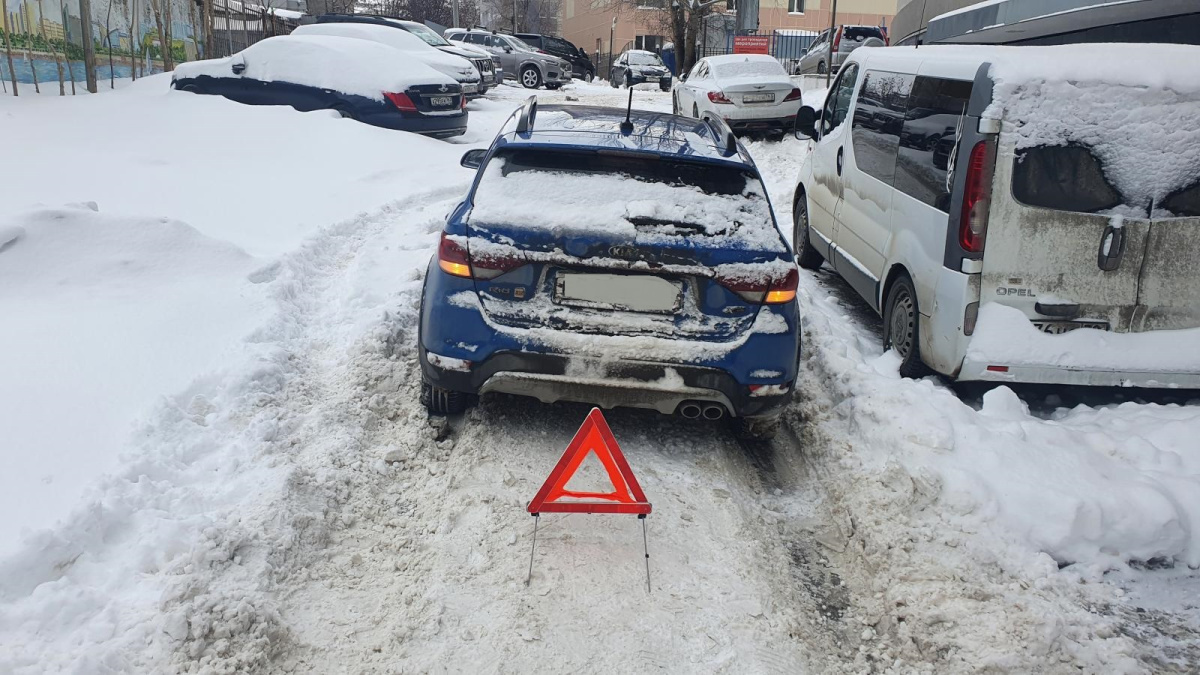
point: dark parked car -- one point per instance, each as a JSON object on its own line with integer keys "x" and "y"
{"x": 637, "y": 66}
{"x": 581, "y": 66}
{"x": 359, "y": 79}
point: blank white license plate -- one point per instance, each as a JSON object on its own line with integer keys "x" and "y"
{"x": 1060, "y": 327}
{"x": 441, "y": 101}
{"x": 629, "y": 292}
{"x": 470, "y": 88}
{"x": 651, "y": 78}
{"x": 758, "y": 98}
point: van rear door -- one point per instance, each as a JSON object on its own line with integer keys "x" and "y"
{"x": 1056, "y": 247}
{"x": 1169, "y": 295}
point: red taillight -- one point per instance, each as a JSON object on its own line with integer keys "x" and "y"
{"x": 837, "y": 38}
{"x": 763, "y": 290}
{"x": 718, "y": 97}
{"x": 453, "y": 258}
{"x": 972, "y": 226}
{"x": 401, "y": 101}
{"x": 793, "y": 96}
{"x": 998, "y": 369}
{"x": 456, "y": 260}
{"x": 463, "y": 98}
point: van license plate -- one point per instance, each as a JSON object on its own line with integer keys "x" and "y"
{"x": 758, "y": 98}
{"x": 1060, "y": 327}
{"x": 442, "y": 101}
{"x": 624, "y": 292}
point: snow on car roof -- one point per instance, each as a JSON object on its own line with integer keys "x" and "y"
{"x": 744, "y": 67}
{"x": 398, "y": 39}
{"x": 346, "y": 65}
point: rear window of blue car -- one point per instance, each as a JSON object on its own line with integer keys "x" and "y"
{"x": 647, "y": 195}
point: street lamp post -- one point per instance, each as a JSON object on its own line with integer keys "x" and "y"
{"x": 832, "y": 27}
{"x": 611, "y": 32}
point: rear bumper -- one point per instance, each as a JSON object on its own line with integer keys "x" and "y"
{"x": 438, "y": 127}
{"x": 607, "y": 383}
{"x": 751, "y": 125}
{"x": 1032, "y": 374}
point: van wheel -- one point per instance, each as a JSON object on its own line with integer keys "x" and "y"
{"x": 902, "y": 328}
{"x": 530, "y": 77}
{"x": 440, "y": 401}
{"x": 806, "y": 256}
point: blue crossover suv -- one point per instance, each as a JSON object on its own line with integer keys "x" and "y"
{"x": 620, "y": 259}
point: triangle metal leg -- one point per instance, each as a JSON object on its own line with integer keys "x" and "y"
{"x": 536, "y": 518}
{"x": 646, "y": 548}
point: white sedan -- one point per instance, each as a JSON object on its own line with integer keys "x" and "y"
{"x": 751, "y": 92}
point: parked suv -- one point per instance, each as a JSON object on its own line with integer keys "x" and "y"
{"x": 483, "y": 61}
{"x": 521, "y": 62}
{"x": 845, "y": 40}
{"x": 636, "y": 66}
{"x": 581, "y": 65}
{"x": 1014, "y": 233}
{"x": 648, "y": 273}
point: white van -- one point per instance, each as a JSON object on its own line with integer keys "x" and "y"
{"x": 1027, "y": 214}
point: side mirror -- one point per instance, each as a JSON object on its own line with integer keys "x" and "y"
{"x": 473, "y": 159}
{"x": 806, "y": 123}
{"x": 683, "y": 77}
{"x": 238, "y": 68}
{"x": 507, "y": 49}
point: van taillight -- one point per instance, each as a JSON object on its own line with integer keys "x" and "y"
{"x": 837, "y": 38}
{"x": 456, "y": 260}
{"x": 972, "y": 226}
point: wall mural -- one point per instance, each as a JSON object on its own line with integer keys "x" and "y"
{"x": 44, "y": 40}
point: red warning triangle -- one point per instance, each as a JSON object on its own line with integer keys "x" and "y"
{"x": 593, "y": 436}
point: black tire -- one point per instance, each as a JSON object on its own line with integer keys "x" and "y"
{"x": 762, "y": 428}
{"x": 821, "y": 68}
{"x": 553, "y": 87}
{"x": 902, "y": 327}
{"x": 612, "y": 80}
{"x": 806, "y": 256}
{"x": 665, "y": 86}
{"x": 530, "y": 77}
{"x": 191, "y": 89}
{"x": 439, "y": 401}
{"x": 343, "y": 112}
{"x": 589, "y": 76}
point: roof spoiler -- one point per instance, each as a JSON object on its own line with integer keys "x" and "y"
{"x": 724, "y": 135}
{"x": 526, "y": 114}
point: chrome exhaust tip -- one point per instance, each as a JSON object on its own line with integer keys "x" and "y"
{"x": 713, "y": 412}
{"x": 690, "y": 410}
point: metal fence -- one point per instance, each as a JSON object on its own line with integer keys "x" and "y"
{"x": 717, "y": 40}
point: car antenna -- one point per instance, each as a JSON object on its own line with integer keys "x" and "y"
{"x": 627, "y": 126}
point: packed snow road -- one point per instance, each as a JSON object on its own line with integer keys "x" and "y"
{"x": 295, "y": 510}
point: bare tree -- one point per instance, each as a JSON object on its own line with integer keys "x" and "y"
{"x": 112, "y": 75}
{"x": 681, "y": 19}
{"x": 62, "y": 86}
{"x": 12, "y": 72}
{"x": 164, "y": 35}
{"x": 62, "y": 9}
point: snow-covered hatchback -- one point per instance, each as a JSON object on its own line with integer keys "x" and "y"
{"x": 648, "y": 272}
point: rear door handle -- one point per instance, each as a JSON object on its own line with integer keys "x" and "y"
{"x": 1112, "y": 247}
{"x": 839, "y": 161}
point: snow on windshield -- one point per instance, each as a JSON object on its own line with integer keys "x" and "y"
{"x": 750, "y": 68}
{"x": 343, "y": 64}
{"x": 641, "y": 59}
{"x": 620, "y": 205}
{"x": 1134, "y": 106}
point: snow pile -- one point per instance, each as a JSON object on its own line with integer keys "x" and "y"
{"x": 747, "y": 67}
{"x": 413, "y": 46}
{"x": 1135, "y": 105}
{"x": 106, "y": 313}
{"x": 610, "y": 204}
{"x": 343, "y": 64}
{"x": 1004, "y": 335}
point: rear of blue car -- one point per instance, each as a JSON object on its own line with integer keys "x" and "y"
{"x": 616, "y": 277}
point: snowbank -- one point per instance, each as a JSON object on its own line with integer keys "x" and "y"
{"x": 413, "y": 47}
{"x": 344, "y": 64}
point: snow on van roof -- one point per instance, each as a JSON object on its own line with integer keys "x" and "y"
{"x": 347, "y": 65}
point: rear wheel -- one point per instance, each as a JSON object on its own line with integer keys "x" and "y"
{"x": 612, "y": 80}
{"x": 665, "y": 85}
{"x": 902, "y": 327}
{"x": 531, "y": 78}
{"x": 806, "y": 256}
{"x": 440, "y": 401}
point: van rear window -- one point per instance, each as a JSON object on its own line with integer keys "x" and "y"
{"x": 1063, "y": 178}
{"x": 861, "y": 33}
{"x": 1185, "y": 202}
{"x": 929, "y": 139}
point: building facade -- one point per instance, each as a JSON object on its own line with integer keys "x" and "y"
{"x": 601, "y": 26}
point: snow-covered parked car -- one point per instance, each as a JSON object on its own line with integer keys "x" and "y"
{"x": 1017, "y": 214}
{"x": 488, "y": 66}
{"x": 751, "y": 92}
{"x": 649, "y": 272}
{"x": 359, "y": 79}
{"x": 462, "y": 70}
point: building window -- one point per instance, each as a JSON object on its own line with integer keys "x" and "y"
{"x": 795, "y": 6}
{"x": 650, "y": 43}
